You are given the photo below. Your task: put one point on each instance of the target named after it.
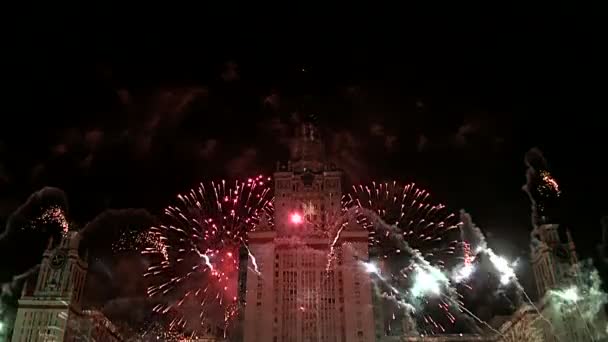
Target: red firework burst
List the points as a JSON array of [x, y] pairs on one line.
[[195, 275]]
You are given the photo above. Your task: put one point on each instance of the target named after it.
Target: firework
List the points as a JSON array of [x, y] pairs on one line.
[[569, 295], [427, 281], [197, 251], [502, 266], [157, 332], [55, 215], [462, 273], [414, 242], [52, 216], [542, 188], [466, 250], [423, 224], [549, 184], [147, 242]]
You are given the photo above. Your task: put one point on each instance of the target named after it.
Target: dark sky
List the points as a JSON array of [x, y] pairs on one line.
[[129, 117]]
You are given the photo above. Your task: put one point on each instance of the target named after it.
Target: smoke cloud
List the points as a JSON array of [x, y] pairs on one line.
[[115, 282]]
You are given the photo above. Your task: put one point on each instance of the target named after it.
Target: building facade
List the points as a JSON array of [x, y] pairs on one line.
[[553, 258], [303, 282], [50, 309], [556, 267]]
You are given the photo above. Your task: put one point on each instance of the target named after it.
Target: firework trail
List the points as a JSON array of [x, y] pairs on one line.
[[476, 241], [427, 284], [502, 267], [335, 228], [461, 273], [196, 251], [254, 261], [464, 309]]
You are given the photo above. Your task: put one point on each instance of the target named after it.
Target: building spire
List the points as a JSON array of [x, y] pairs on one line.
[[307, 149]]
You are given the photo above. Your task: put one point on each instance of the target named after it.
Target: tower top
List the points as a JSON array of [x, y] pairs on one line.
[[69, 241], [307, 149]]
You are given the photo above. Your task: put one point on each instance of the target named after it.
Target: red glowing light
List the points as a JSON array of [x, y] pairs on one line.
[[296, 218]]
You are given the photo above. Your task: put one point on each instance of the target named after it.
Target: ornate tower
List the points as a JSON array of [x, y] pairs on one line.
[[553, 257], [553, 254], [46, 308], [293, 292]]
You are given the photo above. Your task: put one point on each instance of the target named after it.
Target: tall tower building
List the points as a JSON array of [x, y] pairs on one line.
[[50, 309], [293, 293], [554, 260], [553, 255]]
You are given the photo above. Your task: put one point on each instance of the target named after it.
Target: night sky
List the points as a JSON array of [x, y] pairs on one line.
[[129, 118]]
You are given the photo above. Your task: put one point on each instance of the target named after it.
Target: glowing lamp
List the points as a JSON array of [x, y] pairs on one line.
[[296, 218]]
